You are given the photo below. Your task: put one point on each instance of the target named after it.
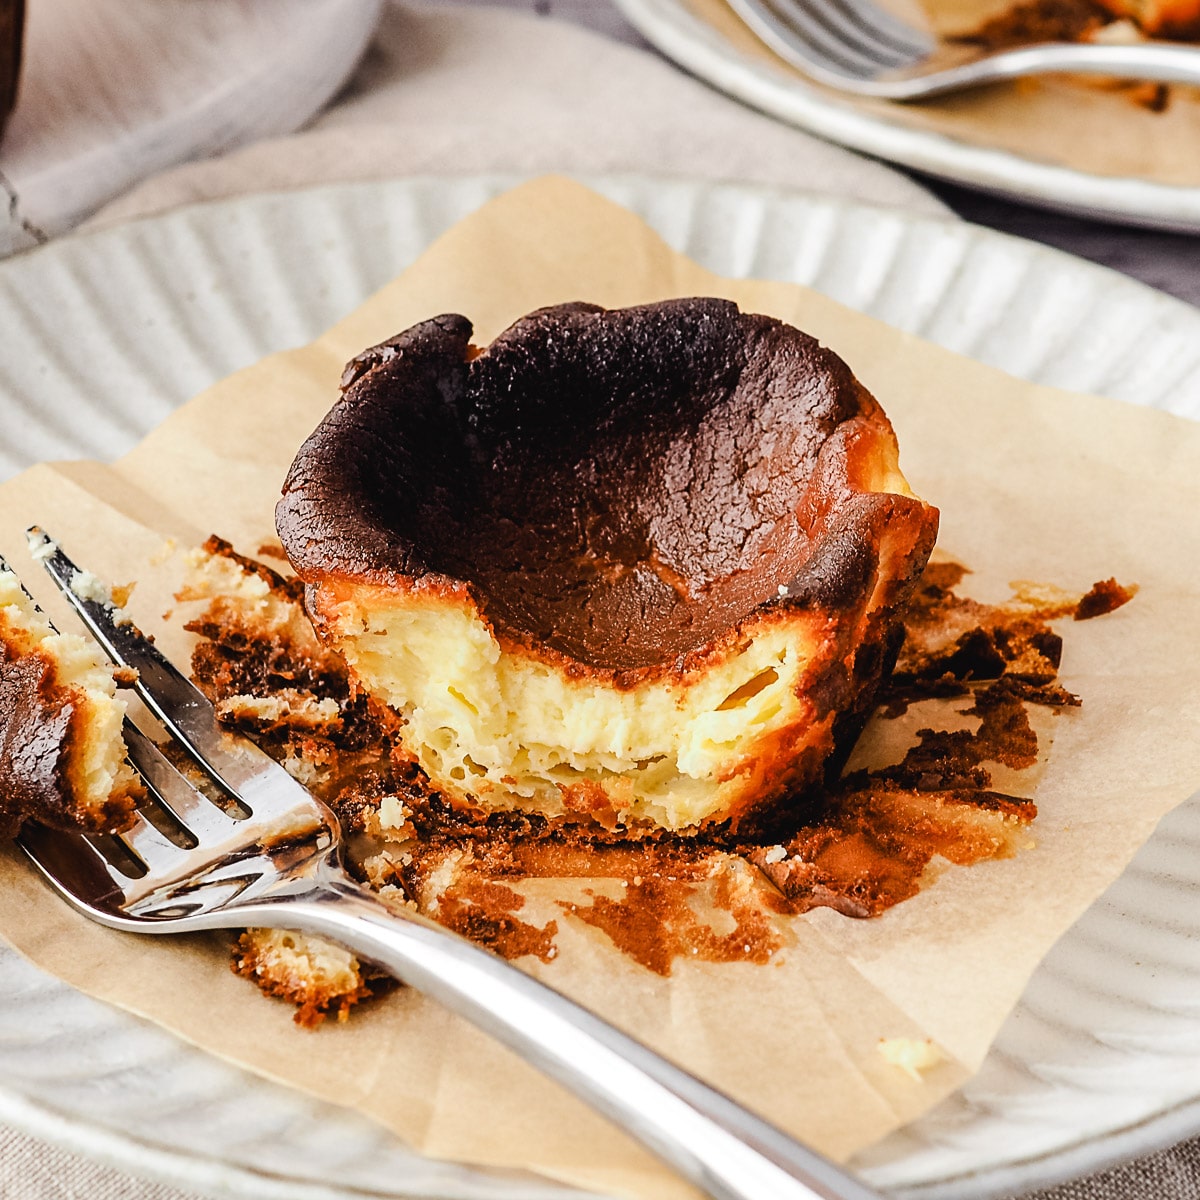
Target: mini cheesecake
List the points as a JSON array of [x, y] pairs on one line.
[[62, 754], [634, 567]]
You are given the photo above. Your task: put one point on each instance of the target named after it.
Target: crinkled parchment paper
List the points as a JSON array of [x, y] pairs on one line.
[[1087, 126], [1032, 484]]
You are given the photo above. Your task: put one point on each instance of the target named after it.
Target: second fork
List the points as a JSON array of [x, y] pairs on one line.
[[857, 46]]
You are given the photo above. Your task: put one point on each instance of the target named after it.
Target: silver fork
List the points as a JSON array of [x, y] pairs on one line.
[[271, 856], [857, 46]]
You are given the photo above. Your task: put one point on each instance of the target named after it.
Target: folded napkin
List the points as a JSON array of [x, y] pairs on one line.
[[112, 91]]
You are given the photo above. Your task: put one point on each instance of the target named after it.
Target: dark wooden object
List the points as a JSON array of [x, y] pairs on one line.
[[12, 26]]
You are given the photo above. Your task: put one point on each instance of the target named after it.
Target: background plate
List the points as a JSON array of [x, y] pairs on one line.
[[700, 49], [104, 334]]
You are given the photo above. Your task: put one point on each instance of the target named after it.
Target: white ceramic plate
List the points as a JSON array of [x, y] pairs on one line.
[[102, 335], [700, 49]]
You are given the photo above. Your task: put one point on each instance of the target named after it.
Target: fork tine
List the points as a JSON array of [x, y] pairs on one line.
[[811, 24], [803, 41], [194, 811], [907, 40], [174, 699], [198, 816], [235, 764], [159, 853], [142, 837], [843, 20], [76, 868], [843, 43]]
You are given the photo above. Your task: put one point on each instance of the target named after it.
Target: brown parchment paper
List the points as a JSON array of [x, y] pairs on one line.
[[1085, 125], [1032, 484]]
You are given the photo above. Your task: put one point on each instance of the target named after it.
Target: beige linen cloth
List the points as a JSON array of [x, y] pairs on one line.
[[453, 89]]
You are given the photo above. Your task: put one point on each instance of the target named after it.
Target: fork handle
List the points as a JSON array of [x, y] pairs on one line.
[[715, 1143]]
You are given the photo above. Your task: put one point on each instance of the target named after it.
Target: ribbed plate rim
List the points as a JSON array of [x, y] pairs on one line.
[[1172, 1123]]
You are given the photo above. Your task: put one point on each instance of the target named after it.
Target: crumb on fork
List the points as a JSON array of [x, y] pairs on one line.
[[62, 754]]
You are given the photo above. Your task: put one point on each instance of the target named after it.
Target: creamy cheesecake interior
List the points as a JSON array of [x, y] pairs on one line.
[[511, 731]]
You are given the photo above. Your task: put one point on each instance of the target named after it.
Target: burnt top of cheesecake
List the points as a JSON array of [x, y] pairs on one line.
[[620, 486], [35, 726]]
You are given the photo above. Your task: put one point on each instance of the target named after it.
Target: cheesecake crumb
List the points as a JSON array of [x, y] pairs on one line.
[[911, 1055]]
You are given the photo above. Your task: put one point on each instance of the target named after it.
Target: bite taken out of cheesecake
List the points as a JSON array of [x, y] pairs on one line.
[[634, 568], [62, 754]]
